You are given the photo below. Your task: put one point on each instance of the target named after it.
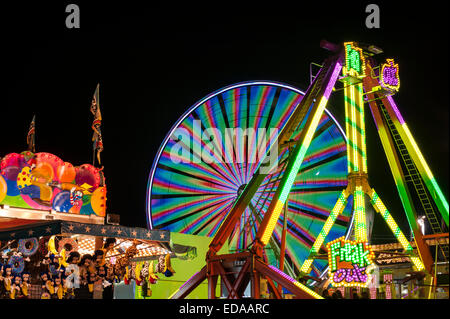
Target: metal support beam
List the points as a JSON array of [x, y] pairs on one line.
[[190, 285]]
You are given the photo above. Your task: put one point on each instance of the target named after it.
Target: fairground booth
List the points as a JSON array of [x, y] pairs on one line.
[[58, 242]]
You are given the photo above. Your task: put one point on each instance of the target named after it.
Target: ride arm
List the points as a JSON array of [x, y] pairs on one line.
[[315, 100], [315, 91]]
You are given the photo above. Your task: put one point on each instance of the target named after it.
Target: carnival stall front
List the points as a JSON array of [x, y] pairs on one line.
[[54, 242], [63, 259]]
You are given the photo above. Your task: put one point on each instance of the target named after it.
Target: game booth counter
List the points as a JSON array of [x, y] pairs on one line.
[[54, 242], [142, 263]]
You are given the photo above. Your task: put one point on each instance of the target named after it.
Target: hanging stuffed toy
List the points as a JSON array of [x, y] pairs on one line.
[[59, 291], [46, 285], [152, 277], [120, 267], [50, 287], [148, 277], [57, 261], [161, 264], [7, 280], [107, 247], [51, 245], [137, 273], [127, 277], [16, 292], [143, 274], [73, 273], [25, 286], [92, 277], [168, 270]]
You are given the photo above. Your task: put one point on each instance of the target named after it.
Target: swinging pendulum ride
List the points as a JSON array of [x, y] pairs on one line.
[[243, 203]]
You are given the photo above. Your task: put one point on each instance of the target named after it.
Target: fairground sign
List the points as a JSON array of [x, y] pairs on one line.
[[349, 262]]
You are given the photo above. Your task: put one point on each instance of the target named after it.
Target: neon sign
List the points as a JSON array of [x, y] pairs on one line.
[[389, 75], [354, 59], [348, 263]]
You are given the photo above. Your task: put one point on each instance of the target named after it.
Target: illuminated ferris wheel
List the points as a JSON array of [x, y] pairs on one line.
[[216, 147]]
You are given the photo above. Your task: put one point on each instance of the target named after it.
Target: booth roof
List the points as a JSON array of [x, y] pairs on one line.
[[17, 228]]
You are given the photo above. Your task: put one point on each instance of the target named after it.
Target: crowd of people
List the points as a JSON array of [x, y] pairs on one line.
[[337, 294]]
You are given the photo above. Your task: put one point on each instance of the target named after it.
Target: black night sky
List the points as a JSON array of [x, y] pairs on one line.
[[155, 61]]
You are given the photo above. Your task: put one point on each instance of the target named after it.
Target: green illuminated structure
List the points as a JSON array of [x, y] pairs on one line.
[[360, 79]]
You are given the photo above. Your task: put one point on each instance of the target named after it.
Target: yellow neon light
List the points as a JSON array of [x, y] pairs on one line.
[[306, 265], [293, 173], [360, 216], [416, 148], [337, 210], [272, 222], [363, 128], [379, 206], [173, 294], [307, 290]]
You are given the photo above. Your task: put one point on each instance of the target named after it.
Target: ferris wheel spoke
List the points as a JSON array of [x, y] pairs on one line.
[[216, 164], [215, 220], [224, 159], [323, 162], [189, 212], [296, 231], [196, 177]]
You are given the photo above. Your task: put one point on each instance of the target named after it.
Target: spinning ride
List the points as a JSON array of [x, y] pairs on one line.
[[215, 148]]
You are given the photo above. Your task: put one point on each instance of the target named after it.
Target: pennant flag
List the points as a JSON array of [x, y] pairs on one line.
[[30, 135], [97, 136]]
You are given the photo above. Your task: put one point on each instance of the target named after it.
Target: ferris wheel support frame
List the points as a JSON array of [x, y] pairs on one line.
[[313, 102], [358, 178]]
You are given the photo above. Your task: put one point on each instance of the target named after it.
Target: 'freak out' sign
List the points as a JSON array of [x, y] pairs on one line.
[[354, 60], [349, 262]]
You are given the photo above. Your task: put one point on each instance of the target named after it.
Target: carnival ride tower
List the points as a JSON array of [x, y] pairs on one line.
[[360, 80]]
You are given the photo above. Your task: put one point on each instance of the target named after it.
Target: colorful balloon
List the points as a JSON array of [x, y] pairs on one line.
[[44, 171], [85, 176], [51, 159], [12, 159], [66, 173], [61, 202], [11, 172], [98, 201], [3, 188], [46, 193]]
